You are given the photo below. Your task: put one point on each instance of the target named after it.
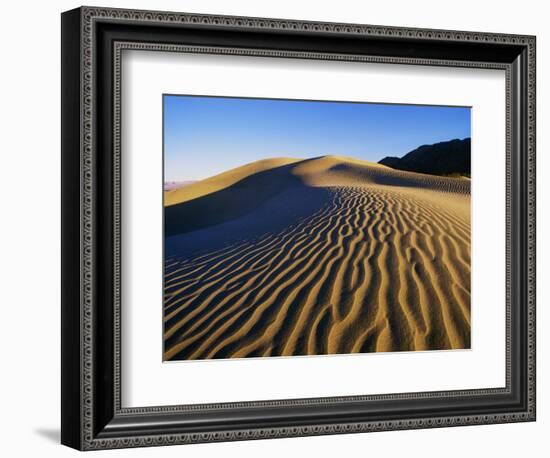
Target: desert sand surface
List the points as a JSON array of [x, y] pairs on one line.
[[329, 255]]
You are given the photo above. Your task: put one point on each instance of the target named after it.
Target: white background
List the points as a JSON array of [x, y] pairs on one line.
[[29, 244], [147, 75]]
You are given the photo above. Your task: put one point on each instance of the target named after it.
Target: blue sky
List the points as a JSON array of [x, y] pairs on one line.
[[204, 136]]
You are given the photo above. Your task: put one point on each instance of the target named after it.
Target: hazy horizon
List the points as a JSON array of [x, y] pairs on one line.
[[204, 136]]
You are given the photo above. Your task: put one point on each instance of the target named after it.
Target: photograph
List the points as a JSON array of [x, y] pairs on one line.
[[311, 227]]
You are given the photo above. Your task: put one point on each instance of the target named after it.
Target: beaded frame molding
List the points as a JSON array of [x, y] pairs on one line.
[[93, 40]]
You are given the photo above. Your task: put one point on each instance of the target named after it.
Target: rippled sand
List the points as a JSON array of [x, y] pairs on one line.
[[323, 256]]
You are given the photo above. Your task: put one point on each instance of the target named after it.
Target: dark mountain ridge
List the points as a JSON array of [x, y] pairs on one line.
[[444, 158]]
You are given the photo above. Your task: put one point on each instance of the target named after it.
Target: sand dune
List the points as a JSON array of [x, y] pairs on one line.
[[321, 256]]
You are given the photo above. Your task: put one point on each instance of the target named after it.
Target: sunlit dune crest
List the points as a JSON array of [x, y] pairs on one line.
[[329, 255]]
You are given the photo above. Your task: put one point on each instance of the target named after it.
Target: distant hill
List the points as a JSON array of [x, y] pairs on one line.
[[445, 158]]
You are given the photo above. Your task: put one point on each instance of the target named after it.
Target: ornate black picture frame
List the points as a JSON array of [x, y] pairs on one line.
[[92, 42]]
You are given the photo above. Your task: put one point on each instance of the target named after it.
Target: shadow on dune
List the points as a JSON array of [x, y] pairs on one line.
[[262, 203], [232, 202]]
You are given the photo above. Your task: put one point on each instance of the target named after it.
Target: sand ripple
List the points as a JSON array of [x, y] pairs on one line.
[[375, 268]]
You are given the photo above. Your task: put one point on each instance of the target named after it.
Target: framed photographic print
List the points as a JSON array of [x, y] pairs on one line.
[[278, 228]]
